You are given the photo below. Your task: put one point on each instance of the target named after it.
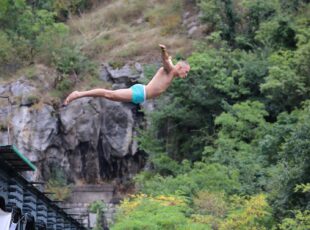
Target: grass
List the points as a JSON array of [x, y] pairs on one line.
[[91, 82], [166, 16], [130, 30], [124, 11]]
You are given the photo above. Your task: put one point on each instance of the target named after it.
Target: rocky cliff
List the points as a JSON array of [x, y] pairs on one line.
[[90, 140]]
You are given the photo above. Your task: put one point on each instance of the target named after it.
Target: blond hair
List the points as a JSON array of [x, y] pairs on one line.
[[183, 63]]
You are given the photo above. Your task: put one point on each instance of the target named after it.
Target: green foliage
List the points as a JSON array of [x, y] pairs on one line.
[[69, 60], [243, 121], [292, 6], [277, 33], [27, 26], [143, 212], [240, 118], [149, 71], [244, 22], [233, 212], [222, 16], [53, 39], [150, 212], [211, 203], [287, 84], [301, 221], [6, 48], [116, 64], [64, 85], [238, 20], [97, 207], [240, 129], [35, 36], [303, 188], [64, 8], [214, 177], [58, 186], [253, 213], [3, 7], [286, 149], [72, 66]]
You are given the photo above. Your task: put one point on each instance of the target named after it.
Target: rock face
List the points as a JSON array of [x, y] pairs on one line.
[[122, 77], [90, 140], [191, 21]]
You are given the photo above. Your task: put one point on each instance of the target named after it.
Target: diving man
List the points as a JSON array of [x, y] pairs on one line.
[[138, 93]]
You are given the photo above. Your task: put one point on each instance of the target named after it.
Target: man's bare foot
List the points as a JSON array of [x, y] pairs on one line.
[[72, 96]]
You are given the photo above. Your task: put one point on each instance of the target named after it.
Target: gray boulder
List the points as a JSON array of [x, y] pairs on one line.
[[122, 77]]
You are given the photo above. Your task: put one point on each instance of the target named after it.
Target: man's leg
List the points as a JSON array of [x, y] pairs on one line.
[[123, 95]]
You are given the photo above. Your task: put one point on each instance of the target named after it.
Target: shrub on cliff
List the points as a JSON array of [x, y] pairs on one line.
[[154, 213]]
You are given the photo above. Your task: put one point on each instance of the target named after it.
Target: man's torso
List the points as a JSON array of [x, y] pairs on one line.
[[159, 83]]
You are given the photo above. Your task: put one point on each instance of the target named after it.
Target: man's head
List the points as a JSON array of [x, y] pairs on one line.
[[182, 69]]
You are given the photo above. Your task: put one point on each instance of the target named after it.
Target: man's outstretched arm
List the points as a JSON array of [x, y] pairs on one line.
[[167, 63]]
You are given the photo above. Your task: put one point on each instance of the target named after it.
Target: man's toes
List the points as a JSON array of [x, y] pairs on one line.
[[66, 101]]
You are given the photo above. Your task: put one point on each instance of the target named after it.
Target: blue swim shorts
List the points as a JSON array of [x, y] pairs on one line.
[[138, 93]]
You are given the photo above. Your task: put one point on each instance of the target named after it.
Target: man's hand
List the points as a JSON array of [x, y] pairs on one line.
[[166, 59], [164, 50], [162, 46]]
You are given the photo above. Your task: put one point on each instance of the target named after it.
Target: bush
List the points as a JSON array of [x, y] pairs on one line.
[[232, 212], [300, 221], [208, 203], [149, 71], [65, 8], [54, 38], [154, 213], [58, 186], [174, 212], [97, 207], [252, 213], [214, 177], [6, 49], [70, 60], [287, 86], [64, 85]]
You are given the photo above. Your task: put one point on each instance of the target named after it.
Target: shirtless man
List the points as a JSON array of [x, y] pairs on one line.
[[139, 93]]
